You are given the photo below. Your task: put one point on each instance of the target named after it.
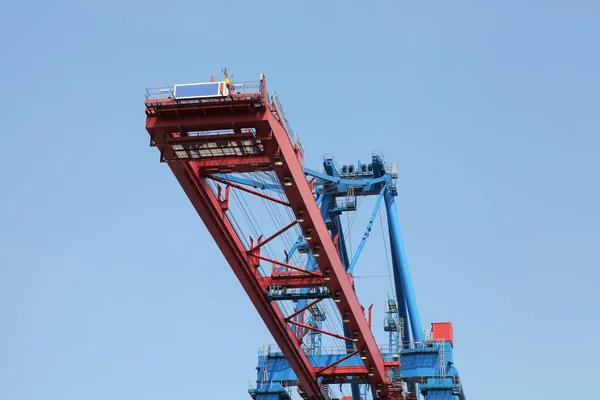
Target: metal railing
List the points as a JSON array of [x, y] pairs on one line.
[[280, 113], [384, 349], [162, 92], [247, 87], [325, 350], [268, 386], [330, 156], [240, 87], [387, 349]]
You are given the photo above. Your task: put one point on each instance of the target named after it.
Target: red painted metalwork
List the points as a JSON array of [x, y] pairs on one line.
[[301, 198], [320, 371], [228, 164], [214, 122], [300, 311], [291, 281], [443, 331], [279, 232], [312, 328], [343, 370], [276, 152], [256, 193], [224, 202], [290, 266], [207, 206], [353, 370], [296, 279], [205, 139]]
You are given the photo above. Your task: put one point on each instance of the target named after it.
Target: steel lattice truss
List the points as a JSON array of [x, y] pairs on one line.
[[280, 227]]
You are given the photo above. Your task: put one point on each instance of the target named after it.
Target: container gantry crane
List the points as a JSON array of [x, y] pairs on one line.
[[230, 146]]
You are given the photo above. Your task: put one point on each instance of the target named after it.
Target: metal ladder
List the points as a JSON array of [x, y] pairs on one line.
[[397, 380], [350, 199], [441, 359], [265, 365], [401, 332]]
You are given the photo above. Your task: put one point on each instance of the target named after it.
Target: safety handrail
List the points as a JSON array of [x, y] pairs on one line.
[[325, 350], [239, 87], [246, 87], [160, 92]]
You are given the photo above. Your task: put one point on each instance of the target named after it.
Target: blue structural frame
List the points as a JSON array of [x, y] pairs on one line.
[[331, 215], [425, 365], [401, 265], [430, 364]]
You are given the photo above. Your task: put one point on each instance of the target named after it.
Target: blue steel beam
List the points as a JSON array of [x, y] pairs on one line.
[[402, 270], [249, 182], [332, 171], [362, 186], [343, 248], [405, 336], [367, 232]]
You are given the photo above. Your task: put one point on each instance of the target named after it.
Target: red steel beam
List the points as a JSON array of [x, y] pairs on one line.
[[169, 101], [239, 164], [290, 266], [218, 224], [204, 139], [158, 102], [351, 370], [320, 371], [248, 120], [312, 328], [291, 281], [301, 198], [259, 194], [300, 311], [273, 236], [343, 370]]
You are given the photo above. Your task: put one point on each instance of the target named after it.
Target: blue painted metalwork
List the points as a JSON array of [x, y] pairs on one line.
[[343, 249], [362, 186], [417, 364], [402, 270], [367, 232], [405, 335], [249, 182], [266, 390], [354, 387], [300, 297], [367, 186], [421, 361], [391, 325], [331, 213]]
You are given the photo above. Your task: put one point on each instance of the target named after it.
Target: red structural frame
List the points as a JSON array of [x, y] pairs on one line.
[[168, 123]]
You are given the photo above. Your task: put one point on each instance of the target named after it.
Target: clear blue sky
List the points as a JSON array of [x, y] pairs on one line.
[[111, 288]]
